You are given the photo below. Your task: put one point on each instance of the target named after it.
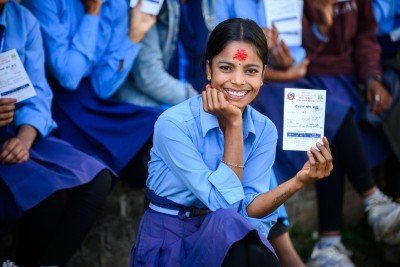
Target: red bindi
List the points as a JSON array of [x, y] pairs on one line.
[[240, 55]]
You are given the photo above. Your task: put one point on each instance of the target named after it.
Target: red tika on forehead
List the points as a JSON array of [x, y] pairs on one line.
[[240, 55]]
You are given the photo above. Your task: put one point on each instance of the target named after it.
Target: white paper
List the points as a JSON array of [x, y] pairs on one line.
[[286, 15], [14, 81], [152, 7], [133, 3], [303, 118]]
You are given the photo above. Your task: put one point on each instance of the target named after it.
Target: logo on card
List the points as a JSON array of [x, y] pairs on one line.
[[291, 96], [13, 56]]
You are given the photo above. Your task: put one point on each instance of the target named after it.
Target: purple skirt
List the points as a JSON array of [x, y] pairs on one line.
[[342, 97], [166, 240], [109, 130], [53, 165]]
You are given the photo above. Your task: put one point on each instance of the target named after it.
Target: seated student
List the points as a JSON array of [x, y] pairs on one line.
[[209, 190], [387, 14], [192, 37], [281, 67], [337, 61], [90, 50], [285, 63], [51, 189], [149, 82]]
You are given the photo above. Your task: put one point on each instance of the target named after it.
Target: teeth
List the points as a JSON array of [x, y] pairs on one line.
[[236, 93]]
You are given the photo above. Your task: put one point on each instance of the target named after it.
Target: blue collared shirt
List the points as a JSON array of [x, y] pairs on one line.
[[23, 34], [254, 10], [186, 165], [79, 45], [387, 14]]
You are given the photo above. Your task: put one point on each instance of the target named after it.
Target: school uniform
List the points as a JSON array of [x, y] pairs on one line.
[[53, 164], [89, 58], [347, 56], [197, 203]]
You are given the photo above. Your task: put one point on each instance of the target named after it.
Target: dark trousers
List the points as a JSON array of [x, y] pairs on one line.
[[348, 158], [249, 252], [51, 232]]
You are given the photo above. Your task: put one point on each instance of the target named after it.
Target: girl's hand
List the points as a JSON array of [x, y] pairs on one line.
[[214, 102], [139, 23], [379, 97], [281, 57], [271, 35], [92, 7], [7, 107], [14, 151], [319, 164], [298, 71], [325, 15]]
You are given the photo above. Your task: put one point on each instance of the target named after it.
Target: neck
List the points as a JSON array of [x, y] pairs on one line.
[[2, 8]]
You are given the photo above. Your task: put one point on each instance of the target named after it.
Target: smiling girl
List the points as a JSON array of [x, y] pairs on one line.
[[210, 201]]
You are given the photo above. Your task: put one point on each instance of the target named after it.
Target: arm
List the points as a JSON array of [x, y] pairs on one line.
[[35, 111], [111, 70], [16, 149], [318, 166], [152, 78], [317, 22], [367, 47], [68, 57], [230, 121], [290, 74]]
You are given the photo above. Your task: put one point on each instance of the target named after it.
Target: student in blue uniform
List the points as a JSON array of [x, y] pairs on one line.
[[90, 47], [278, 70], [211, 162], [52, 189]]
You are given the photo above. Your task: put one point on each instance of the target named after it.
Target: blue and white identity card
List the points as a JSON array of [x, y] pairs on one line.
[[303, 118], [14, 81]]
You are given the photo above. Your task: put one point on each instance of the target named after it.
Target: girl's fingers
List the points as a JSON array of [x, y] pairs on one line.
[[205, 102], [313, 162], [321, 161], [214, 96], [210, 102]]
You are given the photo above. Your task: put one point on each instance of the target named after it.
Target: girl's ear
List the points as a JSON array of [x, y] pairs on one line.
[[263, 74], [208, 70]]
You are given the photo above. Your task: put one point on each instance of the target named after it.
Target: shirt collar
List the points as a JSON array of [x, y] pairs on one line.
[[209, 121]]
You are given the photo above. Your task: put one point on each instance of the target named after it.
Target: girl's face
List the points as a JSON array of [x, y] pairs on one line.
[[237, 72]]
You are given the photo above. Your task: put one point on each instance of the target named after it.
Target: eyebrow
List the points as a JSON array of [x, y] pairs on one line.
[[231, 63]]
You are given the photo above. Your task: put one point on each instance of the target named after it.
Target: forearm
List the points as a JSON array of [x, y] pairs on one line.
[[269, 201], [233, 148], [27, 134]]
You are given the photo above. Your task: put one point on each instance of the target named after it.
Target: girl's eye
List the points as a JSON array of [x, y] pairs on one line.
[[225, 68], [252, 71]]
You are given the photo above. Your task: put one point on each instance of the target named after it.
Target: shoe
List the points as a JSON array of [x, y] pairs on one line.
[[393, 240], [330, 256], [384, 218], [7, 263]]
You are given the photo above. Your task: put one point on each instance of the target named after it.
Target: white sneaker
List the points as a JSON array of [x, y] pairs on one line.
[[393, 239], [8, 263], [331, 256], [384, 218]]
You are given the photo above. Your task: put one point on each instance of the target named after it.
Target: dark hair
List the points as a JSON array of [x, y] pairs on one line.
[[237, 29]]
